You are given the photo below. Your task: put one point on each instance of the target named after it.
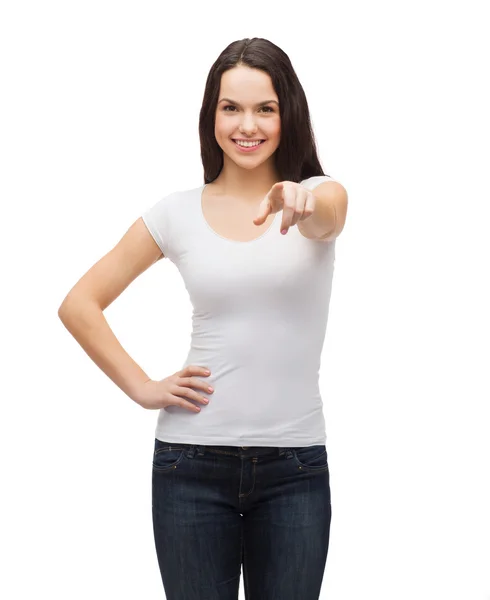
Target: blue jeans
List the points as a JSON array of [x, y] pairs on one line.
[[216, 508]]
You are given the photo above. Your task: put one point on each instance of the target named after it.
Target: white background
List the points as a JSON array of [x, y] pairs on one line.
[[99, 119]]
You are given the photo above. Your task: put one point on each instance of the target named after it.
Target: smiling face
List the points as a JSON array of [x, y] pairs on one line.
[[247, 109]]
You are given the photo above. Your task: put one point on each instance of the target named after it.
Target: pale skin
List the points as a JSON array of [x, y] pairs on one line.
[[238, 204]]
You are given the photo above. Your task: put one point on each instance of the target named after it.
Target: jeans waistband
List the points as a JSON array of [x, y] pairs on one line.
[[244, 451]]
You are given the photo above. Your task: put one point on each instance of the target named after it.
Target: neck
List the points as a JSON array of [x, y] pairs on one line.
[[246, 184]]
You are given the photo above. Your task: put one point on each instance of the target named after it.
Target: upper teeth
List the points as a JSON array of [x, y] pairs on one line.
[[240, 143]]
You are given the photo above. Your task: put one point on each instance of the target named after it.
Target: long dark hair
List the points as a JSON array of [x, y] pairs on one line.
[[296, 156]]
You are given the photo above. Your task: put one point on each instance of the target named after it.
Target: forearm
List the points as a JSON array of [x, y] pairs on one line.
[[323, 222], [87, 324]]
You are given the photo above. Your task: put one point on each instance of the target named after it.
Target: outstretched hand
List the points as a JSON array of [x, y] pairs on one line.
[[296, 202]]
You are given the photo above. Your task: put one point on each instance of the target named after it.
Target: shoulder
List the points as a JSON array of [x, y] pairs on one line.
[[171, 201], [312, 182]]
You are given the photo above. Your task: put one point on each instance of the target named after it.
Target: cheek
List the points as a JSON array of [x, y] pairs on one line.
[[275, 128], [222, 125], [276, 135]]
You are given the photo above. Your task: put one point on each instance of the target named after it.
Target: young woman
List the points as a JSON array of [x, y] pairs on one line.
[[240, 473]]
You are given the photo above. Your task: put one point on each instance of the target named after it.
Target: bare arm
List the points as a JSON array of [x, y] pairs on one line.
[[82, 310]]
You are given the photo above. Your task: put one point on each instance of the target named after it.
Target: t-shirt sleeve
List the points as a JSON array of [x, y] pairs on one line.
[[312, 182], [155, 217]]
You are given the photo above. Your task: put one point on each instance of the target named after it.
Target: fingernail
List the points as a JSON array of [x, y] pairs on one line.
[[284, 231]]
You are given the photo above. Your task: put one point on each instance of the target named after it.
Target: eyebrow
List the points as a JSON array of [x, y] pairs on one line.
[[258, 104]]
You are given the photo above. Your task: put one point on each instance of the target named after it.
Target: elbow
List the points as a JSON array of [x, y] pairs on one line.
[[65, 312], [62, 310], [71, 305]]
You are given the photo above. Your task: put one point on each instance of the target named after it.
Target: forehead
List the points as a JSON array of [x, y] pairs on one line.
[[242, 83]]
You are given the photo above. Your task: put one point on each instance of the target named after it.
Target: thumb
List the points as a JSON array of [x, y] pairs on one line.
[[264, 211]]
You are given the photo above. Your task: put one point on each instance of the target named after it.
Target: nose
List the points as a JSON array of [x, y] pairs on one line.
[[248, 125]]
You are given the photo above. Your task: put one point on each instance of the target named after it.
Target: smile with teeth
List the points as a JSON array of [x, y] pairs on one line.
[[248, 144]]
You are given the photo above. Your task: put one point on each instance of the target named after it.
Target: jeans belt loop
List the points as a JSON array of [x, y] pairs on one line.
[[200, 449]]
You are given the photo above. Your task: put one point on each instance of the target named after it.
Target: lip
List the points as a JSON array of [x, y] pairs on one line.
[[251, 149]]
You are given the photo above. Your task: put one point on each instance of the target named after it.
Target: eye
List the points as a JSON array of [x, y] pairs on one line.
[[266, 108]]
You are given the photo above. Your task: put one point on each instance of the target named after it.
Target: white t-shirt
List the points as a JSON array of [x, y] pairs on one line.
[[260, 311]]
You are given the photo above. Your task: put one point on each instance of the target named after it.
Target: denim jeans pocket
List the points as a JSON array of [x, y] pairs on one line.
[[311, 458], [167, 456]]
